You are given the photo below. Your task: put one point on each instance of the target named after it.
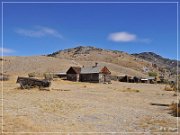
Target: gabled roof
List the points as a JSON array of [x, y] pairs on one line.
[[91, 69], [76, 70], [151, 78], [94, 69]]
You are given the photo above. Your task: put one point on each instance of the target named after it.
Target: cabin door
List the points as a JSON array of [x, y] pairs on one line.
[[105, 78]]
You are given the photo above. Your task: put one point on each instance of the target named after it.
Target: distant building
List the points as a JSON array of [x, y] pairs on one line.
[[114, 77], [152, 79], [60, 75], [99, 74], [96, 73], [73, 74], [144, 80]]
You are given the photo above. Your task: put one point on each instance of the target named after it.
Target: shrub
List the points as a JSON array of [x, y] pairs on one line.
[[168, 88], [32, 74], [174, 86], [4, 77], [131, 90], [48, 76], [175, 109], [154, 74]]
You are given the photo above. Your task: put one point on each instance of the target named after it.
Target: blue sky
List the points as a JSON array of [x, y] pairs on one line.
[[37, 29]]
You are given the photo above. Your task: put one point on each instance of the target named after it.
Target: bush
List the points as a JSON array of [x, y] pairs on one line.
[[175, 109], [174, 84], [168, 88], [154, 74], [32, 74], [4, 77], [48, 76]]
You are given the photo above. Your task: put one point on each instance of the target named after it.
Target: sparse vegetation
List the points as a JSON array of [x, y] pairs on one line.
[[4, 77], [175, 109], [131, 90], [85, 104], [168, 88], [57, 106], [174, 85], [33, 74], [152, 74], [48, 76]]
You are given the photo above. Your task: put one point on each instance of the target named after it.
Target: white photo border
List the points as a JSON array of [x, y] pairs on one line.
[[80, 2]]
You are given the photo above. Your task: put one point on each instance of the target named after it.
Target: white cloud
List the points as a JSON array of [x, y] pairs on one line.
[[39, 31], [6, 50], [122, 37], [126, 37]]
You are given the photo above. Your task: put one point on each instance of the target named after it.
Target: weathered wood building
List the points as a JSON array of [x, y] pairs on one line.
[[130, 79], [73, 74], [61, 75], [97, 74]]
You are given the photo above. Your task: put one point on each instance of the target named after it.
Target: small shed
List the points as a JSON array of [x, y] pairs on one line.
[[114, 77], [152, 79], [73, 73], [125, 78], [97, 74], [61, 75], [144, 80]]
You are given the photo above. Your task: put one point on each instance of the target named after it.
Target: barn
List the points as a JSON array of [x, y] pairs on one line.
[[73, 73], [96, 74]]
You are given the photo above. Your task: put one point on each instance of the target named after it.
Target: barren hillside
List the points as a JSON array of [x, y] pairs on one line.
[[119, 63], [166, 63], [39, 64], [96, 54]]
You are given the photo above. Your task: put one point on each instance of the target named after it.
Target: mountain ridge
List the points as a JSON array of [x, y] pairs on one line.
[[160, 61], [118, 62], [147, 59]]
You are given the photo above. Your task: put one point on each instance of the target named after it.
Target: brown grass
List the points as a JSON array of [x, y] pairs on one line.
[[175, 109], [14, 124], [75, 106], [168, 88], [57, 106], [131, 90]]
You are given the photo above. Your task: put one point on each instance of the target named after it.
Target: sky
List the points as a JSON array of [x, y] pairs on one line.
[[38, 29]]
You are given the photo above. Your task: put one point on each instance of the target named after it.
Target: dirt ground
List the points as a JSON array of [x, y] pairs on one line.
[[87, 107]]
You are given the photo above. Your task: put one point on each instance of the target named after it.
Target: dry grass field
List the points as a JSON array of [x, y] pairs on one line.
[[87, 107]]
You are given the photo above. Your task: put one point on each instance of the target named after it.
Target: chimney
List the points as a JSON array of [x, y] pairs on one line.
[[96, 64]]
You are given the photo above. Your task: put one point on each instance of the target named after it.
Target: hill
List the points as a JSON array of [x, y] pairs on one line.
[[119, 63], [165, 63], [40, 64]]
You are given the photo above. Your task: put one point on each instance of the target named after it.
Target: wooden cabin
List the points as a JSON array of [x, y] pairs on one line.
[[97, 74], [129, 79], [125, 78], [137, 79], [73, 73]]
